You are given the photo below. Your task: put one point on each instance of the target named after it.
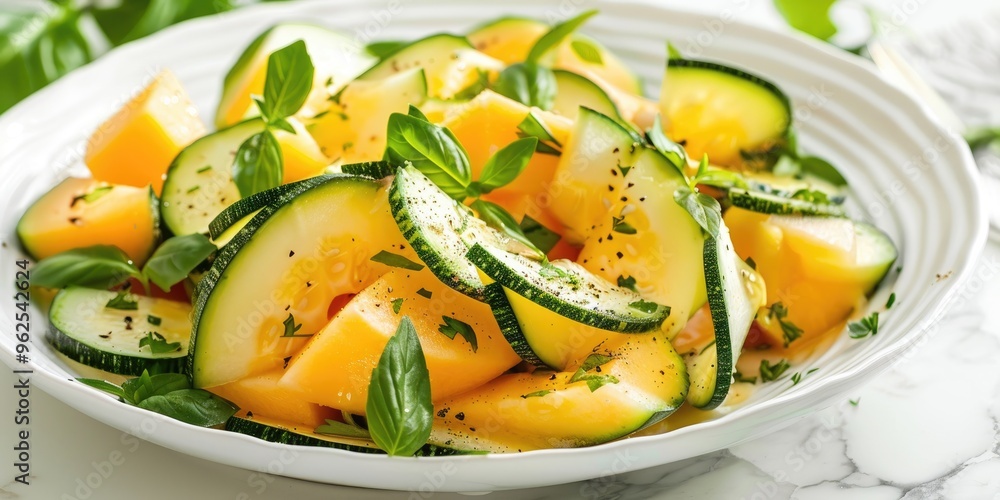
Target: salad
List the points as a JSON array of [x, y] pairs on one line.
[[482, 243]]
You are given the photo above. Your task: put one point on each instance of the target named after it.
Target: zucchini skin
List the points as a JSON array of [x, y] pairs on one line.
[[284, 436], [507, 321], [109, 362], [775, 205]]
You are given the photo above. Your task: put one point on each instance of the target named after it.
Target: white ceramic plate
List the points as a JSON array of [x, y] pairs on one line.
[[915, 181]]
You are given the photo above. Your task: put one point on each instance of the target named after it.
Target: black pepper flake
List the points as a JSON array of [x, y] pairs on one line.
[[105, 336], [309, 284], [74, 220], [661, 372], [286, 360], [615, 150], [443, 412], [249, 414], [291, 253], [288, 307], [472, 429], [624, 198], [610, 187], [553, 377], [614, 172], [460, 415], [611, 237], [631, 184]]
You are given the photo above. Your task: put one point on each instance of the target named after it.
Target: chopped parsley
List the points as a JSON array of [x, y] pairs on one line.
[[395, 260], [123, 301], [891, 301], [396, 305], [769, 372], [291, 327], [628, 283], [425, 293], [790, 332], [158, 344], [153, 320], [864, 327], [594, 380], [452, 327], [619, 225]]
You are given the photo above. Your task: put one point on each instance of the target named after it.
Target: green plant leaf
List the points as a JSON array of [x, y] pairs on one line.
[[36, 48], [101, 266], [158, 344], [399, 408], [432, 149], [385, 48], [138, 389], [258, 165], [193, 406], [705, 210], [542, 237], [556, 35], [498, 218], [587, 51], [133, 19], [123, 301], [529, 84], [174, 260], [337, 428], [508, 163], [452, 327], [808, 16], [289, 80], [103, 385], [673, 152], [395, 260], [818, 167]]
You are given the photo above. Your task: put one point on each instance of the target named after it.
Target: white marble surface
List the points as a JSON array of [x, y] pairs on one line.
[[928, 428]]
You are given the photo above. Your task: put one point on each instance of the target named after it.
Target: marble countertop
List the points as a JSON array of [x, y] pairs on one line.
[[928, 428]]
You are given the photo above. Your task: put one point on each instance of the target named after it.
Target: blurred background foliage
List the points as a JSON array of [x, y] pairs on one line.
[[41, 41]]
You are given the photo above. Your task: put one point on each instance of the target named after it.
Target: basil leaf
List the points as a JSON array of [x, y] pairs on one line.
[[594, 381], [529, 84], [176, 258], [587, 51], [811, 17], [818, 167], [432, 149], [705, 210], [37, 48], [158, 344], [505, 165], [336, 428], [103, 385], [556, 35], [496, 217], [399, 408], [144, 386], [673, 152], [101, 266], [383, 49], [121, 301], [193, 406], [258, 165], [416, 113], [282, 124], [452, 327], [289, 80], [982, 136], [134, 19], [628, 283], [542, 237]]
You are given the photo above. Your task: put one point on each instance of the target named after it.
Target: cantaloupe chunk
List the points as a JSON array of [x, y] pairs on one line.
[[335, 367], [301, 155], [136, 145], [84, 212], [489, 122], [815, 274], [261, 395]]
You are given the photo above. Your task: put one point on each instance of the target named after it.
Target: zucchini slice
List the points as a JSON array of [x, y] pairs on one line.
[[569, 290], [440, 230], [735, 292], [574, 90], [727, 113], [617, 197], [765, 203], [337, 60], [199, 184], [283, 270], [275, 431], [449, 61], [248, 206], [84, 329], [622, 387]]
